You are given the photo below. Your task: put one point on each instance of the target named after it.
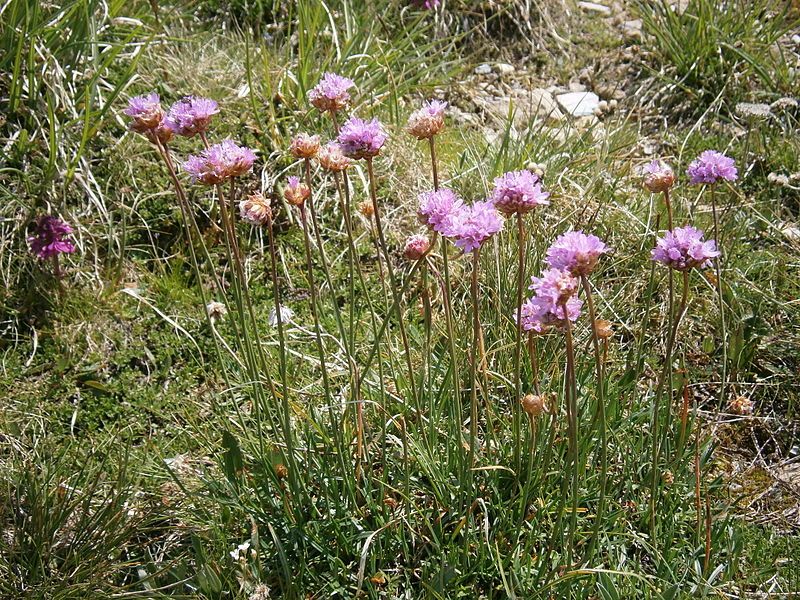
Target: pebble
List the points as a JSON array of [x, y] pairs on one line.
[[504, 68], [594, 7], [483, 69], [579, 104]]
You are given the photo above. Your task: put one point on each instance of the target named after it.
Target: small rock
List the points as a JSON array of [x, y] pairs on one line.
[[579, 104], [595, 8], [632, 29], [574, 86], [483, 69], [791, 232], [504, 68], [796, 39]]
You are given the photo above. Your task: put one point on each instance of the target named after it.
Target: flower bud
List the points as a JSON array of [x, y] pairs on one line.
[[416, 247], [533, 405], [603, 329], [658, 177]]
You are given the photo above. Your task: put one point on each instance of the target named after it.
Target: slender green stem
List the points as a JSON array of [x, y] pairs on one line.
[[473, 363], [517, 425], [572, 420], [720, 299]]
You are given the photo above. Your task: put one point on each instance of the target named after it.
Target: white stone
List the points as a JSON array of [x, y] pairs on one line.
[[579, 104], [504, 68], [594, 7], [483, 69], [632, 29]]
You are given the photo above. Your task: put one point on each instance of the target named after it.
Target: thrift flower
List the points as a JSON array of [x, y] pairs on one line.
[[428, 120], [470, 226], [711, 166], [741, 406], [331, 94], [575, 252], [191, 115], [684, 248], [332, 158], [361, 139], [518, 192], [216, 310], [50, 237], [366, 208], [220, 162], [416, 247], [296, 192], [554, 301], [255, 209], [304, 146], [436, 208], [533, 405], [658, 177], [148, 118]]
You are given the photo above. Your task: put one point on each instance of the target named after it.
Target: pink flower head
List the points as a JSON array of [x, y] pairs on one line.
[[304, 146], [470, 226], [331, 93], [361, 139], [554, 301], [50, 237], [296, 192], [148, 118], [518, 192], [416, 247], [255, 209], [191, 115], [575, 252], [658, 177], [684, 248], [428, 120], [220, 162], [711, 166], [331, 158], [436, 208]]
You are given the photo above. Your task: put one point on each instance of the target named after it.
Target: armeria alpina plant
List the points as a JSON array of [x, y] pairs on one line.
[[51, 238], [516, 194], [709, 169]]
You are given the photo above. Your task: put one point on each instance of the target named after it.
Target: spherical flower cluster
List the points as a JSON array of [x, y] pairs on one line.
[[296, 192], [684, 248], [658, 177], [436, 208], [331, 93], [518, 192], [191, 115], [50, 237], [470, 226], [534, 405], [366, 208], [711, 166], [416, 247], [148, 118], [361, 139], [553, 302], [741, 405], [304, 146], [219, 163], [216, 310], [428, 120], [575, 252], [331, 158], [255, 209]]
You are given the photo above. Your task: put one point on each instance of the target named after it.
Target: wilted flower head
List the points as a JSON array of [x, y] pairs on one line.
[[296, 192], [332, 158], [741, 405], [437, 207], [256, 209], [470, 226], [331, 93], [304, 146], [575, 252], [658, 177], [287, 314], [191, 115], [261, 591], [416, 247], [216, 310], [603, 329], [684, 248], [428, 120], [518, 192], [711, 166], [220, 162], [361, 139], [366, 208], [533, 404], [50, 237], [753, 109]]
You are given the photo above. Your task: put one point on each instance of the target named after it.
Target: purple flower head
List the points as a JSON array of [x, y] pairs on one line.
[[361, 139], [470, 226], [428, 120], [684, 248], [575, 252], [220, 162], [191, 115], [711, 166], [331, 93], [518, 192], [556, 284], [49, 237], [145, 112], [436, 208], [332, 158], [554, 301], [658, 177]]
